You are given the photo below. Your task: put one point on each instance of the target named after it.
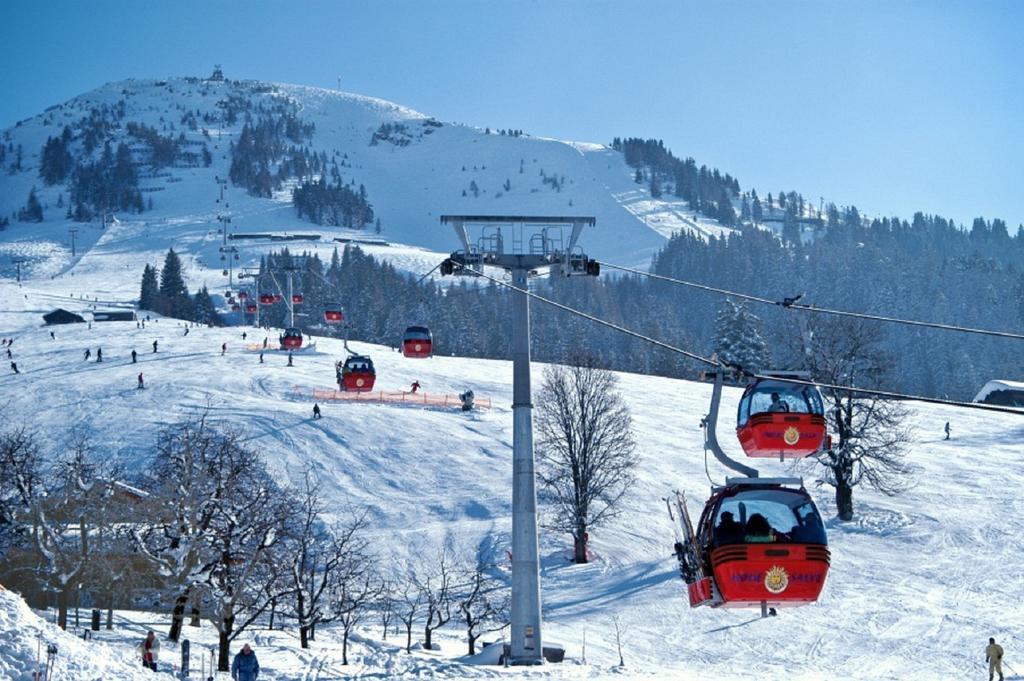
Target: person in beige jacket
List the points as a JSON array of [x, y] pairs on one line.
[[994, 657]]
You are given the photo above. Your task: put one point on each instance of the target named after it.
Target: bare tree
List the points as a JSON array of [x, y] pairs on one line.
[[357, 591], [585, 449], [181, 510], [409, 604], [115, 568], [241, 576], [435, 581], [64, 516], [871, 433], [386, 605], [318, 558], [217, 520], [620, 632], [482, 601], [21, 480]]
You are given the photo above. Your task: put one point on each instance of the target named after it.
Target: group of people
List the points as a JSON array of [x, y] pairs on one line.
[[8, 342], [245, 666]]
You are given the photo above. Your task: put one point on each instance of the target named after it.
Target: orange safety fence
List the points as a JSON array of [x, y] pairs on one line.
[[401, 397]]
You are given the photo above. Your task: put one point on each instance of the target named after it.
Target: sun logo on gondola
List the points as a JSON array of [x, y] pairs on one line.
[[418, 347], [776, 580], [359, 382], [791, 436]]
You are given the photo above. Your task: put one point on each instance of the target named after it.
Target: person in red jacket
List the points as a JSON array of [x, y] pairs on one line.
[[150, 650]]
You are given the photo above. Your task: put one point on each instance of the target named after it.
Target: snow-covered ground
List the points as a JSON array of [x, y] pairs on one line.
[[918, 582], [25, 638]]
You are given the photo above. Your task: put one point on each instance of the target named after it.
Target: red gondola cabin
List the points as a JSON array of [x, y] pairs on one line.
[[417, 342], [759, 544], [297, 298], [333, 314], [266, 299], [780, 419], [291, 339], [356, 374]]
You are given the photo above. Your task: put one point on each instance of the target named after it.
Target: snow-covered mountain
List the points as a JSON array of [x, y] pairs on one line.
[[413, 168]]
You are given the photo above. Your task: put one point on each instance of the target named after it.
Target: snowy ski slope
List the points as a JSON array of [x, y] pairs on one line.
[[918, 582]]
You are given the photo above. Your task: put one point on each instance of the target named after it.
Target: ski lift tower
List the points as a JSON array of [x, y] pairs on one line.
[[527, 245]]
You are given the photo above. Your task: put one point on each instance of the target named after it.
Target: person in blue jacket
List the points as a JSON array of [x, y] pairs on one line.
[[245, 667]]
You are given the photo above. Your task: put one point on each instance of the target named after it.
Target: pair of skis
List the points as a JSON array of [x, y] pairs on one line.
[[699, 585]]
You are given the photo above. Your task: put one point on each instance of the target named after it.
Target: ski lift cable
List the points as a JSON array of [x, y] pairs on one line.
[[721, 365], [792, 304]]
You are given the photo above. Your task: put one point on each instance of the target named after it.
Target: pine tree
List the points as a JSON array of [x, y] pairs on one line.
[[790, 229], [203, 309], [150, 288], [174, 300], [725, 213], [738, 339], [33, 210], [55, 161]]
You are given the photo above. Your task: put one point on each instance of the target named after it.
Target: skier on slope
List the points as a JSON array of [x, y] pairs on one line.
[[415, 386], [290, 358], [223, 348], [154, 346], [186, 331], [88, 354], [135, 356], [99, 354], [141, 384], [316, 411], [994, 657], [14, 367]]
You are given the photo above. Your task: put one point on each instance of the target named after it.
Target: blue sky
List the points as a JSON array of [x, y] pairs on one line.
[[893, 106]]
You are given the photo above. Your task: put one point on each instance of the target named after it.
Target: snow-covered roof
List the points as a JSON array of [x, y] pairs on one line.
[[997, 385]]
